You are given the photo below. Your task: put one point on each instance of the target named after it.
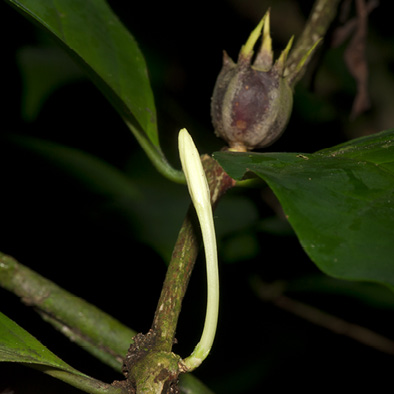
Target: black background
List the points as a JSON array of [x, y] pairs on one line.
[[54, 225]]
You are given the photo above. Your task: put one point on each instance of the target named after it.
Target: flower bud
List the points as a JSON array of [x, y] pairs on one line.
[[252, 103]]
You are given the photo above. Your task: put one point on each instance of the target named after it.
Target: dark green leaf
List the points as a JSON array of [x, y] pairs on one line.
[[98, 41], [340, 202]]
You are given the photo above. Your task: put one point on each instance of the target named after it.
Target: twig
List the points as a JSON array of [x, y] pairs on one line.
[[320, 19], [273, 293]]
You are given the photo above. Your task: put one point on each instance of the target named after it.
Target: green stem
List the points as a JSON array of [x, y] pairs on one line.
[[176, 281], [86, 384], [156, 156], [99, 333]]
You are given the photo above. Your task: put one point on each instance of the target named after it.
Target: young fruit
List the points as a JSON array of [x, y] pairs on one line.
[[252, 103]]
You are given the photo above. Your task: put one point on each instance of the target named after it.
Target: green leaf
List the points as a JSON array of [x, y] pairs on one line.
[[17, 345], [340, 202], [95, 36], [98, 41]]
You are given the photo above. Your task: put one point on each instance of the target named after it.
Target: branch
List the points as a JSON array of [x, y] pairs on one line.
[[320, 19], [97, 332], [149, 361], [183, 258]]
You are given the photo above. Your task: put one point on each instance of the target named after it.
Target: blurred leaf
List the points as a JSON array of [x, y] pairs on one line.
[[235, 214], [275, 225], [239, 247], [340, 202], [17, 345], [43, 69], [95, 174], [312, 108], [370, 294], [136, 200]]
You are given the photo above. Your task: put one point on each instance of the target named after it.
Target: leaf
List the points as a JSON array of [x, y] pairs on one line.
[[101, 44], [94, 36], [17, 345], [91, 328], [134, 198], [340, 202], [43, 69], [92, 172]]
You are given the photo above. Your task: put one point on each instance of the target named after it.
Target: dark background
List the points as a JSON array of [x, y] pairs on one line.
[[90, 245]]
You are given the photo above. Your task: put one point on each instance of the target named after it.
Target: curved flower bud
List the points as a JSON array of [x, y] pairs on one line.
[[252, 103], [199, 192]]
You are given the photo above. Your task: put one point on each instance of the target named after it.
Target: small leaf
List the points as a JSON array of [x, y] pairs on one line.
[[17, 345], [340, 202]]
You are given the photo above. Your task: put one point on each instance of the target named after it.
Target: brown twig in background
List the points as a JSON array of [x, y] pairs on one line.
[[355, 53], [273, 292]]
